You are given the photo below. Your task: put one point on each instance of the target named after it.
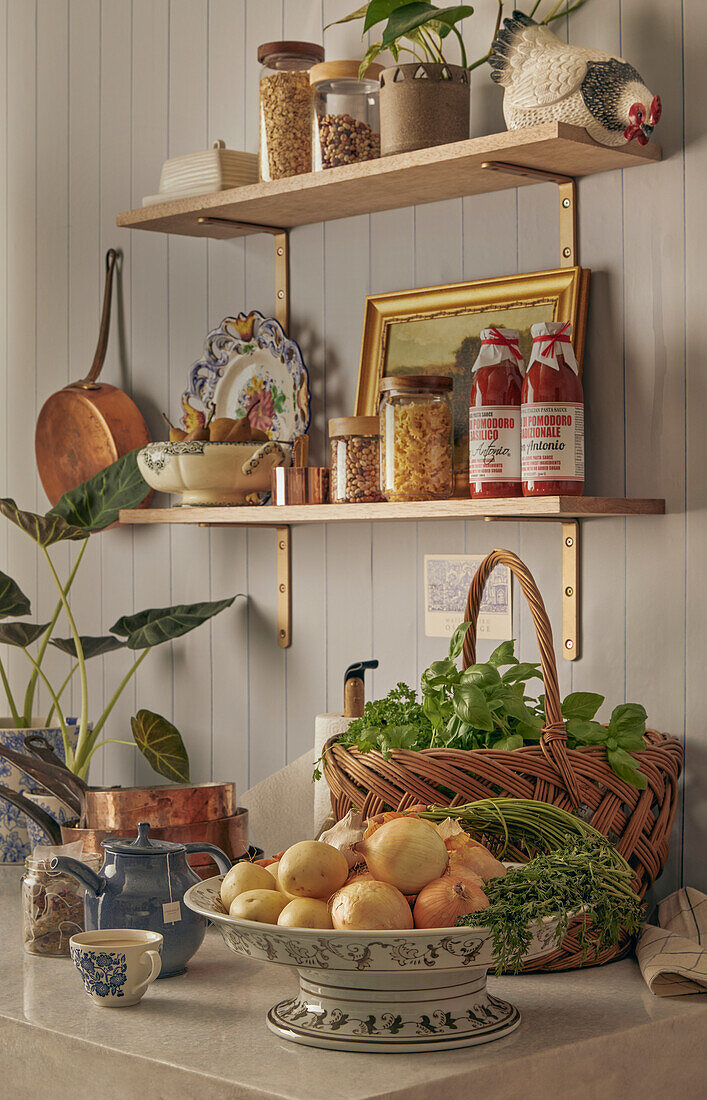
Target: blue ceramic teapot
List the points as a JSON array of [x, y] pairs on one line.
[[141, 885]]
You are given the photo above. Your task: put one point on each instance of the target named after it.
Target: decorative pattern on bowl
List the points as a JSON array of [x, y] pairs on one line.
[[103, 973], [250, 368], [52, 805], [206, 473], [423, 989]]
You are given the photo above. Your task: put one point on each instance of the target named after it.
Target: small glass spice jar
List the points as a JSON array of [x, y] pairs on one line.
[[286, 108], [346, 114], [52, 907], [354, 446], [416, 437]]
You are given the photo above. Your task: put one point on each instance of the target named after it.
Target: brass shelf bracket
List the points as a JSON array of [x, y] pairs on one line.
[[282, 259], [570, 589], [569, 255], [284, 587]]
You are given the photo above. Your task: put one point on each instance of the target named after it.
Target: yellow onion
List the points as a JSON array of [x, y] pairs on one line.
[[440, 902], [369, 905], [406, 852], [475, 859]]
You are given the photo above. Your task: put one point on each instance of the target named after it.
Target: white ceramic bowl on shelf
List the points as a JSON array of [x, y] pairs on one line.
[[206, 473], [390, 992]]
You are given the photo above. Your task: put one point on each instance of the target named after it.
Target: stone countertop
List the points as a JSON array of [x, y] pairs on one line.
[[597, 1034]]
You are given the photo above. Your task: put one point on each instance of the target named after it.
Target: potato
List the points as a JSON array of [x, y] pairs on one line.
[[244, 876], [263, 906], [312, 869], [305, 913], [273, 868]]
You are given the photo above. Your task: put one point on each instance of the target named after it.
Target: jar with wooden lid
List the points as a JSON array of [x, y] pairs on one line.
[[286, 108], [346, 115], [52, 906], [354, 446], [416, 437]]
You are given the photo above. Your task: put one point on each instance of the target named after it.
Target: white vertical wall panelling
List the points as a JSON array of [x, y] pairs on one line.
[[227, 294], [695, 806], [655, 388], [146, 282]]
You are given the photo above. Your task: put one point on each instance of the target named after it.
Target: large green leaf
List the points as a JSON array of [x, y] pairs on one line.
[[405, 19], [21, 634], [12, 599], [625, 767], [581, 704], [378, 10], [470, 705], [45, 530], [456, 642], [161, 745], [92, 646], [358, 14], [504, 654], [161, 624], [95, 504]]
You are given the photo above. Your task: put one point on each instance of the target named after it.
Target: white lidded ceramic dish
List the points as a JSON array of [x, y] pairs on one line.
[[400, 991], [206, 473]]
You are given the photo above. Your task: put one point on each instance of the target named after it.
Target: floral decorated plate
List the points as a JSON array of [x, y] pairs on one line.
[[423, 989], [250, 368]]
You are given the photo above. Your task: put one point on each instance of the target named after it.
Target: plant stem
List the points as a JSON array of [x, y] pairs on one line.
[[535, 7], [83, 721], [431, 46], [59, 694], [481, 60], [81, 757], [68, 751], [462, 47], [567, 11], [108, 741], [10, 699], [29, 694]]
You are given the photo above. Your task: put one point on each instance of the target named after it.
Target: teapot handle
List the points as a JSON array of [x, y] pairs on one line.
[[220, 857]]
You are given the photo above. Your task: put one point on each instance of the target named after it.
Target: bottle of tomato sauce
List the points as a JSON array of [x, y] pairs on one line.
[[494, 416], [552, 415]]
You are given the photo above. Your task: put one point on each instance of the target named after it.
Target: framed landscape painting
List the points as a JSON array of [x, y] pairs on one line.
[[437, 330]]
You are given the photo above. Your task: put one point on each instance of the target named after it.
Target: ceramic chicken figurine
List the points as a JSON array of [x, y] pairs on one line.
[[547, 80]]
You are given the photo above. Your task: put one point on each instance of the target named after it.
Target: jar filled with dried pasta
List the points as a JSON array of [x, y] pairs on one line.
[[354, 444], [416, 437], [52, 906], [286, 107]]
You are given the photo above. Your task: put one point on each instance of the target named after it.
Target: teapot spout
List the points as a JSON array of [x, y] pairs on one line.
[[93, 882]]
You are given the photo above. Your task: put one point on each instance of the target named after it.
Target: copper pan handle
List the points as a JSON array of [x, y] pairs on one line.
[[112, 256]]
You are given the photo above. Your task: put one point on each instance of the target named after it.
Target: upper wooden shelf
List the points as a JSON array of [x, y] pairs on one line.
[[407, 179], [295, 514]]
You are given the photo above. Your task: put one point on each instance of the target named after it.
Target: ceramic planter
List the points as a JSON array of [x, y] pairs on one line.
[[51, 804], [423, 104], [14, 841]]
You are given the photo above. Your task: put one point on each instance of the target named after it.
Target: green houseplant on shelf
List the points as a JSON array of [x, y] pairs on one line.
[[77, 516], [425, 101]]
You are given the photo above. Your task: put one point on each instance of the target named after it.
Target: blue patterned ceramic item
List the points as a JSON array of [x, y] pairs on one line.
[[117, 964], [250, 368], [52, 805], [141, 885], [14, 842]]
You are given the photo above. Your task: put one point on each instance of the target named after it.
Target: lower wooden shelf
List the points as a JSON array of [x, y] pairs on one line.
[[290, 515]]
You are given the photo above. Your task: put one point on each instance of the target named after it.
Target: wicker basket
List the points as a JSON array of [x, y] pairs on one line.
[[578, 780]]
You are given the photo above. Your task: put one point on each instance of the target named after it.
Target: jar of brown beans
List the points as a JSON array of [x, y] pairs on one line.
[[346, 116], [354, 449]]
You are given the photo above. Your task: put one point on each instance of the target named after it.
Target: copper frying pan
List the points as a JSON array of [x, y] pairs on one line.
[[89, 424]]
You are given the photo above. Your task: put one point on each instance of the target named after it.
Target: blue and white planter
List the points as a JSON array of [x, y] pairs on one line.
[[52, 805], [15, 844]]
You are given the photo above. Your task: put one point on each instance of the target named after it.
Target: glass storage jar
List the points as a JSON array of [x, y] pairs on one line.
[[346, 114], [354, 444], [286, 108], [416, 437], [52, 906]]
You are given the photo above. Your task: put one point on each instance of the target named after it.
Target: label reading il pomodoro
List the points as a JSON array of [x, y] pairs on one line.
[[494, 445], [552, 442]]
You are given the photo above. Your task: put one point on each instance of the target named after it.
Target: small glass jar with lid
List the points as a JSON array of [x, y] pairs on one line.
[[416, 437], [346, 114], [52, 906], [286, 108], [354, 446]]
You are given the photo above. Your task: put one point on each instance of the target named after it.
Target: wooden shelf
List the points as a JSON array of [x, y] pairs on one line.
[[292, 515], [406, 179]]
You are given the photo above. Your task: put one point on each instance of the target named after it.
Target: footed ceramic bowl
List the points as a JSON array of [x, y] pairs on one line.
[[212, 473], [423, 989]]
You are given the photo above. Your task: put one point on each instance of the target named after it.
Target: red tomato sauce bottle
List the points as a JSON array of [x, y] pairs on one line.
[[552, 415], [494, 416]]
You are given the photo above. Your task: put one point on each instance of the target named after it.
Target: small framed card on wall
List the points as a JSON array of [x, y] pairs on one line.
[[447, 580]]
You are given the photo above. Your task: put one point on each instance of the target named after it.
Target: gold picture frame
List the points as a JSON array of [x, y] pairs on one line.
[[510, 301]]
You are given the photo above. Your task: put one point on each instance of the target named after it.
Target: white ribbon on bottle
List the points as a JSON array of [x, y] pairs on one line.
[[549, 338], [498, 344]]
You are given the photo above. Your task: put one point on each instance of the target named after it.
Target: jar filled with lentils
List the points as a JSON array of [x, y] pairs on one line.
[[346, 114], [416, 437], [354, 445], [286, 108]]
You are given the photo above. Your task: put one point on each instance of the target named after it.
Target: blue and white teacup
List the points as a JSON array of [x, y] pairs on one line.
[[117, 964]]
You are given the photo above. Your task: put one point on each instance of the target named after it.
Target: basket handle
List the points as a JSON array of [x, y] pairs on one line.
[[554, 737]]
